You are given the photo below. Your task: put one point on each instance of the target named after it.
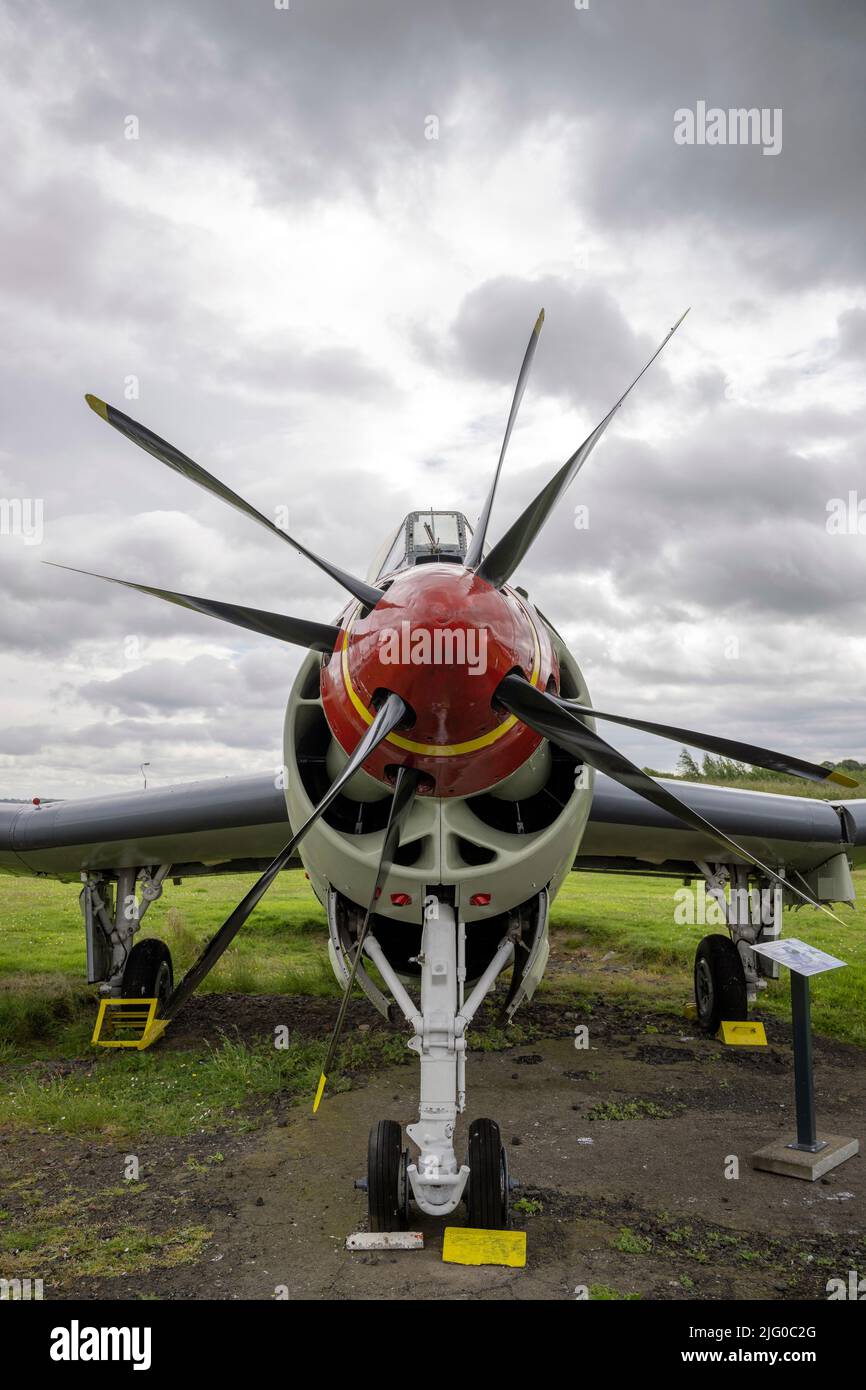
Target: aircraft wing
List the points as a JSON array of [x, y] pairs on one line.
[[626, 833], [238, 824], [228, 825]]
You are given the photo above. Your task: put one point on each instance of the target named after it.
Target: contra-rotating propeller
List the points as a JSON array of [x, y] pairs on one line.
[[301, 632], [501, 562], [783, 763], [389, 716], [173, 457], [555, 720], [476, 545]]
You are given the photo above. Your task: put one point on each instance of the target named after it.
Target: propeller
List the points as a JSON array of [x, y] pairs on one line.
[[171, 456], [553, 719], [320, 637], [498, 566], [404, 796], [476, 547], [385, 722], [725, 747]]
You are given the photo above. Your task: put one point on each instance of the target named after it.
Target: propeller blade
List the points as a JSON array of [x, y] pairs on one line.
[[497, 567], [320, 637], [548, 716], [725, 747], [476, 548], [171, 456], [404, 797], [386, 721]]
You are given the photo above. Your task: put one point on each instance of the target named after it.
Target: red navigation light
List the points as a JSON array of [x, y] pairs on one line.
[[37, 801], [479, 900], [401, 899]]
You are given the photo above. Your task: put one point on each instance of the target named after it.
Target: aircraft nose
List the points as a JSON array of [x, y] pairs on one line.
[[442, 640]]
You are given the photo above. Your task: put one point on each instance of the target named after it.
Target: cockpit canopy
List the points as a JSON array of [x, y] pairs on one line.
[[424, 538]]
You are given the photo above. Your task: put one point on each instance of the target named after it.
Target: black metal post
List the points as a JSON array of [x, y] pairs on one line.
[[804, 1085]]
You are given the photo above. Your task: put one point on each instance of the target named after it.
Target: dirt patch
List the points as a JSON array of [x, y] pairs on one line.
[[634, 1206]]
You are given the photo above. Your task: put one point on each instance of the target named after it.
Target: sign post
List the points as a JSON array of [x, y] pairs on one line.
[[808, 1156]]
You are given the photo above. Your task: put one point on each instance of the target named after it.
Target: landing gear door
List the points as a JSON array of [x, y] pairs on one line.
[[526, 980]]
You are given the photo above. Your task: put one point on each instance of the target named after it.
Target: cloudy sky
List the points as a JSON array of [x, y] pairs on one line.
[[318, 265]]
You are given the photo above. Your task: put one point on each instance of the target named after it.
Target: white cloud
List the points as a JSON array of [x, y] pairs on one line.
[[324, 308]]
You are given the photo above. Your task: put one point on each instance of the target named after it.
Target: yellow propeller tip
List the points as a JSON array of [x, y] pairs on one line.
[[320, 1092], [99, 406], [539, 321], [842, 779]]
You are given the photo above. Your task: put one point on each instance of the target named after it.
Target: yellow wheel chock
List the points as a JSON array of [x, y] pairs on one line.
[[467, 1245], [128, 1023]]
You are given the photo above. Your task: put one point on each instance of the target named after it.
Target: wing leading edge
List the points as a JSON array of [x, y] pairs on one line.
[[239, 823]]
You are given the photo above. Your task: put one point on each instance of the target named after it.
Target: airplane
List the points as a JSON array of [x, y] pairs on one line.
[[443, 775]]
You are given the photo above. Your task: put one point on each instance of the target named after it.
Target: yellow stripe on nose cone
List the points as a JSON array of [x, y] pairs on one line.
[[320, 1092]]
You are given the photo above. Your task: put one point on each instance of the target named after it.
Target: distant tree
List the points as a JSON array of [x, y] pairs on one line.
[[725, 769], [686, 765]]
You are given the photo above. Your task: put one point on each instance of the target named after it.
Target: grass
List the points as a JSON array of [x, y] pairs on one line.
[[613, 937], [68, 1237], [234, 1086], [628, 1110], [605, 1294], [528, 1206], [630, 1243], [652, 955]]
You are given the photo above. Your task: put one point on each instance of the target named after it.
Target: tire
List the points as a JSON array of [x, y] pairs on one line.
[[720, 983], [487, 1188], [385, 1177], [148, 973]]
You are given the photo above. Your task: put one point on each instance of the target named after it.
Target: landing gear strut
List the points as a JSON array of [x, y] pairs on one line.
[[436, 1181]]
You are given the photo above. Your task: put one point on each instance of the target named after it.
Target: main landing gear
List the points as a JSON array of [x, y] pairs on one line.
[[148, 973], [728, 973], [720, 983]]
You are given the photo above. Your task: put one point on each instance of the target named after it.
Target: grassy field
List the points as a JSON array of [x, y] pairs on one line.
[[612, 937]]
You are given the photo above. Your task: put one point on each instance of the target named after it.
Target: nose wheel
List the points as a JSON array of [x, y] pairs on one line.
[[487, 1188], [387, 1185]]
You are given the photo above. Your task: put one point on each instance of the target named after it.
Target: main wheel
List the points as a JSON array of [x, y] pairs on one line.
[[386, 1177], [720, 983], [148, 973], [487, 1188]]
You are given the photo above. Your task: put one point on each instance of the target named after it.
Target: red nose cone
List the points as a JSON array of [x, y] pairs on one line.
[[442, 640]]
